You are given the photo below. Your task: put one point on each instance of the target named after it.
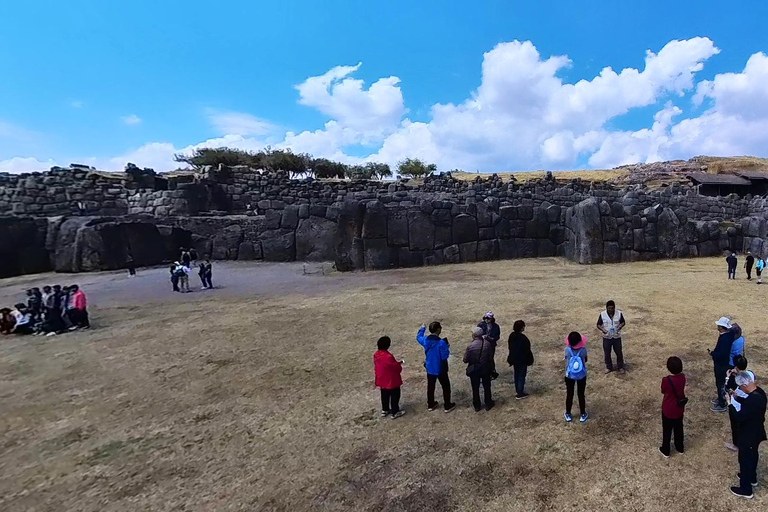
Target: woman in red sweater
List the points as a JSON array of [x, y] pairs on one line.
[[387, 370], [673, 406]]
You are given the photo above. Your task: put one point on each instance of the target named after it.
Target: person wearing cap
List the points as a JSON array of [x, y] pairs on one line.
[[721, 357], [748, 264], [749, 412], [492, 333], [610, 323], [733, 262], [479, 359]]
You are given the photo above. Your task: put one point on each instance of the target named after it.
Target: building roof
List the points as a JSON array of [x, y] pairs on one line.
[[753, 175], [703, 178]]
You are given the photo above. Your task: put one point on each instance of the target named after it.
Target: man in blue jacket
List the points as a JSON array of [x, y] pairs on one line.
[[721, 357], [436, 351]]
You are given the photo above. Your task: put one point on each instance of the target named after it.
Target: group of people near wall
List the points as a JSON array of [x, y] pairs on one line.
[[737, 392], [750, 262], [54, 310], [181, 269]]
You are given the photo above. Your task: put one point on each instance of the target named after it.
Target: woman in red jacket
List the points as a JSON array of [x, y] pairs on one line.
[[673, 406], [387, 370]]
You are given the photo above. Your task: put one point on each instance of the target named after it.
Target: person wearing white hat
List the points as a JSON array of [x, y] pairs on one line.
[[721, 357]]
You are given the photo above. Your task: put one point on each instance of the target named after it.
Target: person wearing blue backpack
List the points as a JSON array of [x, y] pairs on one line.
[[575, 376]]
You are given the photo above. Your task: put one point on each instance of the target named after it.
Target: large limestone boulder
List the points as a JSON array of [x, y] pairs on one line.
[[278, 244], [348, 243], [586, 243], [315, 239], [23, 246]]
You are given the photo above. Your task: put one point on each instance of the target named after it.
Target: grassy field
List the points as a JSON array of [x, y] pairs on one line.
[[266, 402]]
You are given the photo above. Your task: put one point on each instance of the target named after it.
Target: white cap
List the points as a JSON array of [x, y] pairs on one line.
[[724, 322]]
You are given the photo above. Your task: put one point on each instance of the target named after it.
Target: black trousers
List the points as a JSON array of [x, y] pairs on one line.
[[720, 372], [175, 283], [734, 427], [731, 273], [521, 370], [445, 383], [669, 425], [748, 457], [614, 344], [390, 400], [749, 272], [475, 380], [207, 280], [581, 387]]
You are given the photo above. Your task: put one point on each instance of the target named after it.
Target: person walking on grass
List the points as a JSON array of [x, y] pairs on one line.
[[759, 266], [436, 353], [750, 417], [575, 376], [520, 357], [733, 262], [492, 333], [673, 406], [479, 359], [721, 357], [740, 365], [387, 372], [610, 323], [748, 264]]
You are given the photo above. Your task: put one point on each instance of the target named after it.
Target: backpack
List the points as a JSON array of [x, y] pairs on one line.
[[576, 369]]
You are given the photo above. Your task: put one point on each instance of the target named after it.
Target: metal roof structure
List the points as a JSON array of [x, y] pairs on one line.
[[753, 175], [703, 178]]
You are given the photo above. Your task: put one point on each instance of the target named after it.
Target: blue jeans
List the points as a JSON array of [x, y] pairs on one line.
[[521, 371]]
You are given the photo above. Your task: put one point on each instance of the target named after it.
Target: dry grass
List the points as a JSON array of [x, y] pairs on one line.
[[741, 163], [267, 403]]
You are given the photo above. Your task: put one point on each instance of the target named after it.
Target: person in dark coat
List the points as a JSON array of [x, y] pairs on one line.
[[492, 333], [750, 416], [479, 359], [732, 264], [748, 264], [740, 365], [520, 357], [721, 357]]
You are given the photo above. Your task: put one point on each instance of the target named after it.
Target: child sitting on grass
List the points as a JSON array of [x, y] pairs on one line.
[[387, 371]]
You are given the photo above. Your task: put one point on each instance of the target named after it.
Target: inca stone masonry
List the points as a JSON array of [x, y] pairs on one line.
[[77, 219]]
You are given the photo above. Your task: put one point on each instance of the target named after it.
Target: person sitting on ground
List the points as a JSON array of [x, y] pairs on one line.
[[436, 353], [492, 333], [732, 264], [759, 267], [575, 376], [23, 319], [479, 359], [520, 357], [79, 308], [721, 357], [610, 323], [387, 372], [750, 416], [673, 407], [7, 321], [737, 349], [740, 365]]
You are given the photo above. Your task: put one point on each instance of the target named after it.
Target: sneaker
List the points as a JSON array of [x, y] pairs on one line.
[[736, 491], [568, 417], [450, 408], [584, 417], [714, 401], [385, 413], [731, 447], [494, 376], [398, 414], [51, 334], [478, 409], [717, 408], [521, 396], [622, 371], [663, 454], [432, 407], [608, 370], [489, 405], [73, 328], [738, 475]]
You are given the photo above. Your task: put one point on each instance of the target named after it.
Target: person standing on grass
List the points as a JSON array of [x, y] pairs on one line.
[[436, 353], [575, 376], [750, 416], [185, 257], [740, 365], [732, 264], [737, 349], [748, 264], [759, 266], [79, 308], [205, 273], [673, 407], [492, 333], [610, 323], [479, 359], [175, 276], [520, 357], [387, 372], [721, 357]]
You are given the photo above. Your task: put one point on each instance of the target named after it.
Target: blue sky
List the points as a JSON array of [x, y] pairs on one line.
[[106, 82]]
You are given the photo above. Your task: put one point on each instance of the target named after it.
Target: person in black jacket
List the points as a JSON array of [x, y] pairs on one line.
[[492, 333], [750, 415], [479, 359], [520, 357], [732, 264], [721, 357], [740, 365]]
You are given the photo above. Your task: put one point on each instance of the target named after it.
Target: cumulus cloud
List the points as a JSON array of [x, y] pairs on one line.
[[238, 123], [28, 164], [131, 120]]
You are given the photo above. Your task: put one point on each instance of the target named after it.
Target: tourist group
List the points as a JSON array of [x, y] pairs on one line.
[[749, 263], [180, 271], [54, 310], [736, 391]]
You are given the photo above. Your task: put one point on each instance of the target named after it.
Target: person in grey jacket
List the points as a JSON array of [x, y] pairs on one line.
[[479, 359]]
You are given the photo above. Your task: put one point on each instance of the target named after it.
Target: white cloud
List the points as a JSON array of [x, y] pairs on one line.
[[238, 123], [29, 164], [131, 120]]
